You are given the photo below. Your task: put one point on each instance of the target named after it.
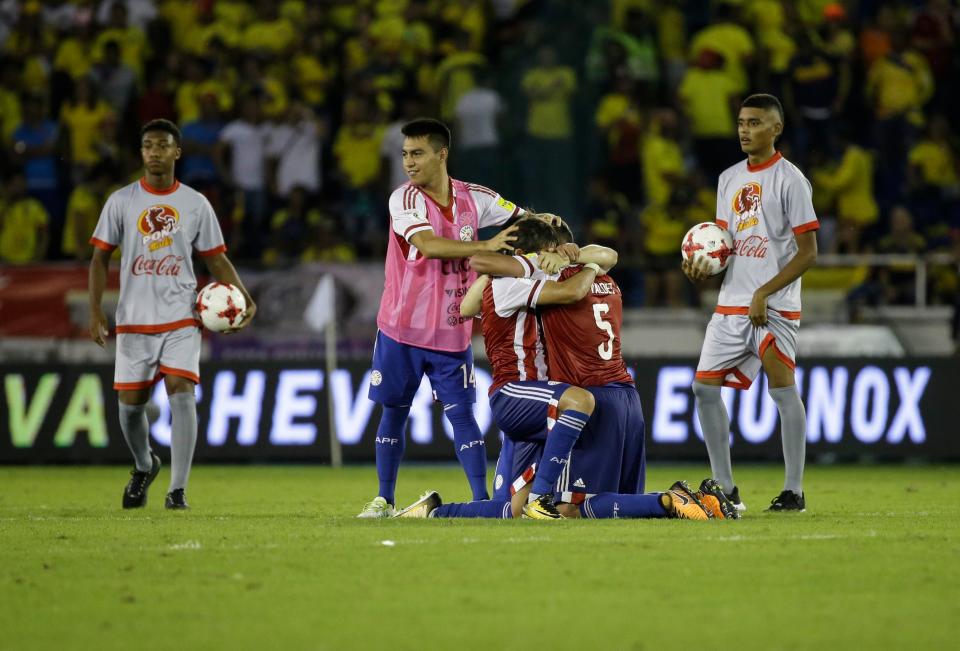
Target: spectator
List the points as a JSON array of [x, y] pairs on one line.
[[934, 184], [903, 239], [290, 229], [619, 123], [357, 150], [708, 97], [130, 38], [727, 37], [815, 95], [10, 116], [294, 148], [476, 133], [663, 227], [157, 101], [549, 87], [456, 75], [244, 142], [200, 136], [850, 185], [83, 210], [37, 146], [84, 116], [663, 166], [116, 80], [23, 224]]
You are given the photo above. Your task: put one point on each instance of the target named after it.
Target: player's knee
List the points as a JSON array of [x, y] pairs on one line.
[[576, 399], [706, 391]]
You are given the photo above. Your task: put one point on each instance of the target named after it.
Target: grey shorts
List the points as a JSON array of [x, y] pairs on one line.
[[733, 347], [142, 359]]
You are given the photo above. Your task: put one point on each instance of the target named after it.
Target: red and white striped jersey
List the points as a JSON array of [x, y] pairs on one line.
[[583, 338], [510, 332]]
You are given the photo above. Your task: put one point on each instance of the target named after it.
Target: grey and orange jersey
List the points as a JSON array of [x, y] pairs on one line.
[[764, 207], [157, 232]]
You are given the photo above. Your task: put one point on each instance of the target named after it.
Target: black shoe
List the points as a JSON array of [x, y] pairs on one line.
[[788, 501], [734, 497], [135, 493], [176, 500], [728, 511]]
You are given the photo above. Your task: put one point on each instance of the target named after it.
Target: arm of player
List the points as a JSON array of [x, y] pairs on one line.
[[804, 259], [470, 305], [568, 291], [96, 283], [602, 256], [223, 270], [435, 247], [498, 264]]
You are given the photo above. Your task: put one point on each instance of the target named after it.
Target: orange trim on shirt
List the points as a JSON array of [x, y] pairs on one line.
[[722, 223], [152, 190], [157, 328], [167, 370], [100, 244], [764, 165], [214, 251], [743, 311], [809, 226]]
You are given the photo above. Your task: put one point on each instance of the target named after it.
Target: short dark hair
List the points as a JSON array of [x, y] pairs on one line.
[[161, 124], [764, 101], [564, 234], [436, 131], [534, 234]]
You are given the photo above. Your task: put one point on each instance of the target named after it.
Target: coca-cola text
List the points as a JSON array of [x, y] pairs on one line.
[[168, 265], [754, 246]]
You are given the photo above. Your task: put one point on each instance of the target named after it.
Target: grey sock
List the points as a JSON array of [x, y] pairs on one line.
[[715, 424], [136, 431], [183, 408], [793, 430]]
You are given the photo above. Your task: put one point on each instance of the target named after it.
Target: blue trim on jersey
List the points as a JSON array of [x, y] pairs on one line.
[[520, 408]]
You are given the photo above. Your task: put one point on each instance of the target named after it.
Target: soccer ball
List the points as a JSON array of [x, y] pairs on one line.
[[220, 306], [710, 242]]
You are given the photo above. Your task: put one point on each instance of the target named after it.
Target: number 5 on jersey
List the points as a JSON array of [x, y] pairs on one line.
[[606, 348]]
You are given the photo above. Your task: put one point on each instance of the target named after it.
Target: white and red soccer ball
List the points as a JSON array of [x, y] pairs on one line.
[[709, 242], [220, 306]]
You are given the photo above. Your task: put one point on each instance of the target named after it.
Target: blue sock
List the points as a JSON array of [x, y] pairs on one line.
[[618, 505], [556, 451], [471, 451], [496, 509], [390, 441]]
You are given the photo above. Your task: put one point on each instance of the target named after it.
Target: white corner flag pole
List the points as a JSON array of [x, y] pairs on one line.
[[336, 454], [321, 314]]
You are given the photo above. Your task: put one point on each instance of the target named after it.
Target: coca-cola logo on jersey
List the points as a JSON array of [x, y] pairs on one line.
[[754, 246], [168, 265], [158, 224]]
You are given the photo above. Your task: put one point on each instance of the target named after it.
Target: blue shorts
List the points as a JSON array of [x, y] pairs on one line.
[[398, 370], [609, 456], [522, 409]]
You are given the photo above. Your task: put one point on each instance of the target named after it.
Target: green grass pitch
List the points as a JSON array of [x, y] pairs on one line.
[[272, 558]]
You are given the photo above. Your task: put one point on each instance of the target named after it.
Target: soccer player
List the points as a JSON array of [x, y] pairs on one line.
[[434, 221], [158, 223], [766, 204], [609, 456]]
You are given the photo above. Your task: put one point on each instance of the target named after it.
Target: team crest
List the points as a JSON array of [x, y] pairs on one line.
[[158, 224], [466, 233], [747, 206], [376, 378]]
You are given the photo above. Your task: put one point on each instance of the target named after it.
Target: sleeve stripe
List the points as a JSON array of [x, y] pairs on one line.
[[534, 293], [100, 244], [482, 190], [722, 223], [406, 197], [809, 226], [214, 251], [516, 211], [526, 264], [416, 228]]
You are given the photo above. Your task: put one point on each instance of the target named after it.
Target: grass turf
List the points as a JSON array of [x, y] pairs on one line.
[[272, 558]]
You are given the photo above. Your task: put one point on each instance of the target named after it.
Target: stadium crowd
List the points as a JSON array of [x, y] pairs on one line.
[[618, 115]]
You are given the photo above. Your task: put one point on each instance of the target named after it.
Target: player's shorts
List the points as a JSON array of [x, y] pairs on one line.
[[733, 347], [525, 409], [608, 457], [399, 368], [142, 359]]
